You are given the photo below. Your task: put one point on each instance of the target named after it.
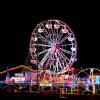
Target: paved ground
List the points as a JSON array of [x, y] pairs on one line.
[[35, 96]]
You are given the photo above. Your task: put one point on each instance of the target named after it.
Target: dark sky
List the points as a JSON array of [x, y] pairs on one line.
[[17, 23]]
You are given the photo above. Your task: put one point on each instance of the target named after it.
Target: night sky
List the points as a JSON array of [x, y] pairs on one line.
[[18, 22]]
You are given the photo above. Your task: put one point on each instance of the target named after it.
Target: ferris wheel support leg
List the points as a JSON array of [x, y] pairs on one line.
[[30, 88], [51, 87], [93, 91]]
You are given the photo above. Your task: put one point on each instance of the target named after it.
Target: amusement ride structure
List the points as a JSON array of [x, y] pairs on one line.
[[52, 53]]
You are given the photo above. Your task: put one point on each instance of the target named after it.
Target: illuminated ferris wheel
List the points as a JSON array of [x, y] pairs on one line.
[[53, 46]]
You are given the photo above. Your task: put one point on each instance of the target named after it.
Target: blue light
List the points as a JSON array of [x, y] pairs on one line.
[[97, 80]]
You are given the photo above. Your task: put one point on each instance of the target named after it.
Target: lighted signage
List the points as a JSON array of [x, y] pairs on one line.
[[97, 81]]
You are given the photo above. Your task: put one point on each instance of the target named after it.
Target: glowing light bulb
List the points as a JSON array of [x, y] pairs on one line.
[[56, 26], [73, 49], [64, 30], [35, 39], [70, 38], [48, 26], [40, 30]]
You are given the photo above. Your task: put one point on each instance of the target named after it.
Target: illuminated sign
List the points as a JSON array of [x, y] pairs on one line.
[[19, 74], [97, 81]]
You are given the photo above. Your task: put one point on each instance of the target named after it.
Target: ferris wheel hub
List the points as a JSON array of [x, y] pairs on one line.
[[57, 46]]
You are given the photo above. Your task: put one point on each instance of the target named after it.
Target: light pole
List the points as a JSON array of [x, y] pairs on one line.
[[92, 78]]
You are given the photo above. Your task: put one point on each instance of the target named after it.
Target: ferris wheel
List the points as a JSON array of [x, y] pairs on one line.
[[53, 46]]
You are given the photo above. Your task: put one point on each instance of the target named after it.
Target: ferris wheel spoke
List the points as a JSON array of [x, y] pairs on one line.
[[59, 36], [58, 62], [53, 60], [43, 45], [57, 65], [64, 57], [48, 61], [62, 40], [50, 35], [44, 58], [60, 57], [54, 68], [42, 52], [56, 31], [50, 31], [50, 66], [55, 34], [43, 39], [65, 45], [50, 52], [45, 30], [66, 51]]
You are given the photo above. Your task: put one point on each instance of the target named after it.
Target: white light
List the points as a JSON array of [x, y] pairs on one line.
[[35, 39], [64, 30], [33, 61], [91, 69], [40, 30], [70, 39], [66, 76], [75, 59], [73, 49], [72, 59], [48, 26], [56, 26], [35, 49]]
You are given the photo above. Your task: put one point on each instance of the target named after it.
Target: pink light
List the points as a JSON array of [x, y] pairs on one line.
[[57, 46], [30, 49], [33, 61]]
